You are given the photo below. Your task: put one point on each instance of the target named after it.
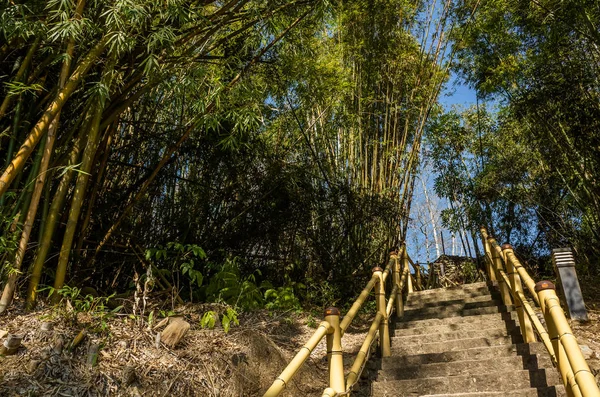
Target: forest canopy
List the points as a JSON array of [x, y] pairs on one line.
[[217, 150]]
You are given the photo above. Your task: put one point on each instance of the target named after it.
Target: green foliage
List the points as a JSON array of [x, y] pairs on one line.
[[229, 318], [96, 307], [185, 259], [230, 287]]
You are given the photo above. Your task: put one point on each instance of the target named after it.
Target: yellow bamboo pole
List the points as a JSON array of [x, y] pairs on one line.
[[517, 288], [334, 350], [288, 373], [562, 362], [398, 297], [329, 392], [391, 301], [363, 353], [497, 263], [561, 333], [358, 304], [525, 277], [488, 255], [384, 332]]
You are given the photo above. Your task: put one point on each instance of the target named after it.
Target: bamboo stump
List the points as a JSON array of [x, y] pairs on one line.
[[11, 345]]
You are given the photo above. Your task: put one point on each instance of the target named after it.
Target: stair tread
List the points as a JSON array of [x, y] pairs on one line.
[[463, 342], [480, 382]]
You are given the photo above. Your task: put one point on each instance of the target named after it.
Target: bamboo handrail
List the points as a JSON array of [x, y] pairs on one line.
[[288, 373], [334, 329], [525, 277], [362, 354], [559, 340], [537, 324], [357, 304]]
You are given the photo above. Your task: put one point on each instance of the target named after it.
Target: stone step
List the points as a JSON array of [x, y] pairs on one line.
[[525, 361], [454, 323], [551, 391], [455, 335], [475, 309], [411, 311], [386, 385], [463, 287], [410, 304], [443, 296], [506, 364], [401, 349], [458, 327], [473, 353]]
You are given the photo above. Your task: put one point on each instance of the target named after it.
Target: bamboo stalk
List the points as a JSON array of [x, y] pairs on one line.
[[52, 110]]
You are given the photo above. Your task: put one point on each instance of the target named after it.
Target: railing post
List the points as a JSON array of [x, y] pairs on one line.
[[546, 289], [497, 263], [418, 277], [397, 274], [517, 287], [580, 377], [334, 351], [487, 255], [384, 331]]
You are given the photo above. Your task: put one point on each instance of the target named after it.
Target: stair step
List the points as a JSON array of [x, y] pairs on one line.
[[526, 361], [455, 300], [443, 296], [452, 345], [450, 307], [455, 335], [505, 364], [463, 287], [551, 391], [473, 353], [473, 321], [455, 328], [470, 310], [487, 382]]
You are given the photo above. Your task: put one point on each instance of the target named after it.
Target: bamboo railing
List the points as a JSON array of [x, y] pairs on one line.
[[332, 329], [503, 267]]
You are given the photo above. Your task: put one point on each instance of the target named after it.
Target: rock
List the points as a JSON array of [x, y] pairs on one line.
[[587, 352], [175, 331], [46, 326]]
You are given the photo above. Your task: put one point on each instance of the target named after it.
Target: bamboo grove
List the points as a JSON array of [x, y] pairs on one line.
[[265, 134]]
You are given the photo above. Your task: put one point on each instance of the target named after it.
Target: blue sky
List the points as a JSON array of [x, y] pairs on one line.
[[421, 248]]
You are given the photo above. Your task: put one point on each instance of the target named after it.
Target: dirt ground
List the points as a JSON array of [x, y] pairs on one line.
[[242, 362], [212, 363]]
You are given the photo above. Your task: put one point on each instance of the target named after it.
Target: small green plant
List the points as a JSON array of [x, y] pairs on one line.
[[94, 306], [186, 259], [229, 318], [311, 322], [285, 297]]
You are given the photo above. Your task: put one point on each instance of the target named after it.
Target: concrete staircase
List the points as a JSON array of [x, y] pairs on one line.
[[463, 342]]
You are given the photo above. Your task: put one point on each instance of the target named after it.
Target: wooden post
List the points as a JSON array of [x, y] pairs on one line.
[[384, 331], [517, 287], [334, 351]]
